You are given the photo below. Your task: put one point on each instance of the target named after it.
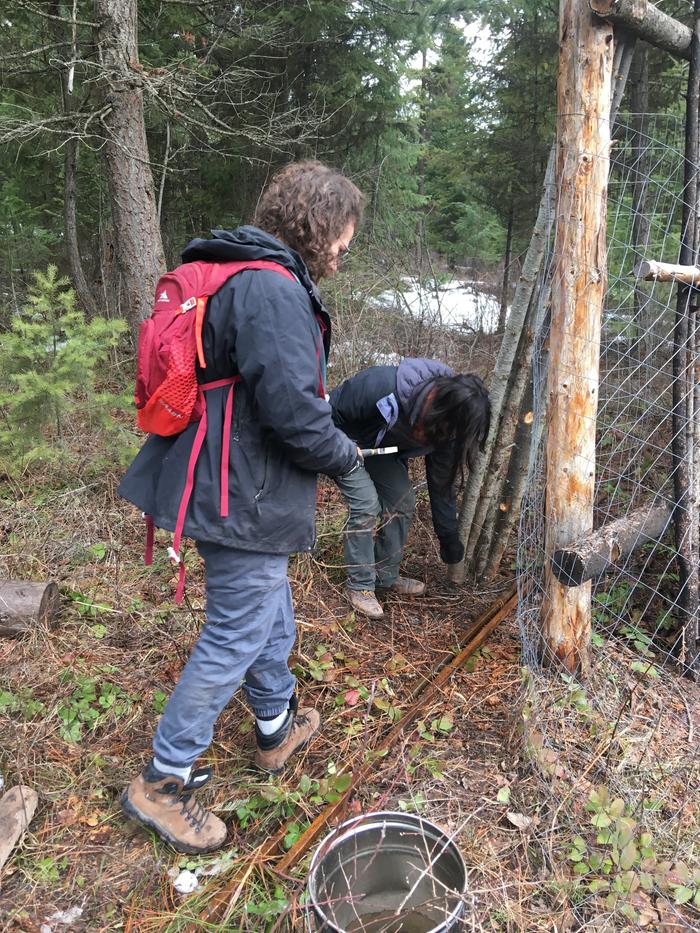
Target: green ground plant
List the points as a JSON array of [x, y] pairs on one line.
[[616, 857], [92, 702]]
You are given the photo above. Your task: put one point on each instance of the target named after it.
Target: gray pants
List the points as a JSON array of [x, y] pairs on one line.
[[379, 490], [246, 640]]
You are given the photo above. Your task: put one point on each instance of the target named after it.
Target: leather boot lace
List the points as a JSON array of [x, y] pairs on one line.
[[193, 811], [300, 719]]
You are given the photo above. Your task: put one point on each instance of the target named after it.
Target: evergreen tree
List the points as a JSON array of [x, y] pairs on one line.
[[50, 362]]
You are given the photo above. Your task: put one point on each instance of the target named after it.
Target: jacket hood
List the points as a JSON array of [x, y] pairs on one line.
[[413, 379], [247, 243]]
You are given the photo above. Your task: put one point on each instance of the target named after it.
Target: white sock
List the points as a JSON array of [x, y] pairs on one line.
[[183, 773], [270, 726]]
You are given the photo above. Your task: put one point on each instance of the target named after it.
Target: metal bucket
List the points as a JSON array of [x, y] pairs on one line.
[[385, 873]]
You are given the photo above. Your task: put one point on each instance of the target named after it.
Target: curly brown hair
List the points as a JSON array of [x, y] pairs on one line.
[[308, 205]]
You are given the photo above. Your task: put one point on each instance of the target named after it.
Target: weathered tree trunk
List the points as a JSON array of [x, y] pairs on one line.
[[599, 551], [24, 605], [647, 22], [17, 808], [686, 436], [138, 240], [503, 310], [578, 288]]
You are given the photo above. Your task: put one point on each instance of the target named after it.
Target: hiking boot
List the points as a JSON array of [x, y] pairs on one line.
[[405, 586], [165, 803], [364, 602], [275, 750]]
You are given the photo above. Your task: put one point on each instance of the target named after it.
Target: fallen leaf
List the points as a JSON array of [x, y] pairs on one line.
[[352, 697], [645, 909], [520, 820], [66, 817]]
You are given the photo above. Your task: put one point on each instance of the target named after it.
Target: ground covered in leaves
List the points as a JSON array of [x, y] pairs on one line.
[[573, 807]]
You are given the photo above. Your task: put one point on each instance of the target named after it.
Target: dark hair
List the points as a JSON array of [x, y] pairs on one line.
[[459, 412], [308, 205]]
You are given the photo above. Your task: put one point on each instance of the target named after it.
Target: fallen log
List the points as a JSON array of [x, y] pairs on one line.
[[25, 605], [592, 555], [648, 270], [647, 22], [17, 808]]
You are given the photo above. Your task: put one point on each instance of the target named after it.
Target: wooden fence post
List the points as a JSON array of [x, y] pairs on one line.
[[578, 288]]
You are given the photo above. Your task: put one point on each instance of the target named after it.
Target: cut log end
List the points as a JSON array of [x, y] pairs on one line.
[[648, 270], [26, 605]]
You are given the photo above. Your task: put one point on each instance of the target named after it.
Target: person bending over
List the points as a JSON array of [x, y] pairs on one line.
[[272, 331], [425, 409]]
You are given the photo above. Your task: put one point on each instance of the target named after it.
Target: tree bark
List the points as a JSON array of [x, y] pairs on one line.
[[139, 246], [24, 605], [598, 552], [686, 432], [503, 310], [647, 22], [578, 288]]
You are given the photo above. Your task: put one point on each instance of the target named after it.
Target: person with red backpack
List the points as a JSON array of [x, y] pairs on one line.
[[239, 477]]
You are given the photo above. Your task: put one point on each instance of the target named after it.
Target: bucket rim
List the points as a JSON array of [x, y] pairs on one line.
[[412, 821]]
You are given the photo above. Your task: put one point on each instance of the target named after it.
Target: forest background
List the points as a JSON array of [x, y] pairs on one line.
[[443, 113]]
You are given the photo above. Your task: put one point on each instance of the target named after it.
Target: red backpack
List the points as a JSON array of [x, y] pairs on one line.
[[167, 395]]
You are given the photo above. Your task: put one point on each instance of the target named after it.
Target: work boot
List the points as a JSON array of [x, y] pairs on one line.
[[275, 750], [404, 586], [164, 802], [364, 602]]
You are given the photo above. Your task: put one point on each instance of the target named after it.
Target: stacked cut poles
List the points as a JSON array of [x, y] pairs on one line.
[[686, 404], [578, 289]]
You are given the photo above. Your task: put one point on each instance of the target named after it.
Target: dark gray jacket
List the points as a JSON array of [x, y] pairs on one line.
[[380, 406], [266, 328]]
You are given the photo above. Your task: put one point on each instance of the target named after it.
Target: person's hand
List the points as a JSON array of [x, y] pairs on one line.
[[357, 465], [451, 550]]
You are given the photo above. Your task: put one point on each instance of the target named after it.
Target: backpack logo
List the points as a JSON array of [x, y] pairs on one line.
[[163, 297]]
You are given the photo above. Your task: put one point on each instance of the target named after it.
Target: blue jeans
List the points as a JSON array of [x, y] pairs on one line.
[[382, 490], [246, 641]]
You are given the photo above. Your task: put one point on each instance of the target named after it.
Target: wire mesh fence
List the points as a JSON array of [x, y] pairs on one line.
[[620, 753]]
